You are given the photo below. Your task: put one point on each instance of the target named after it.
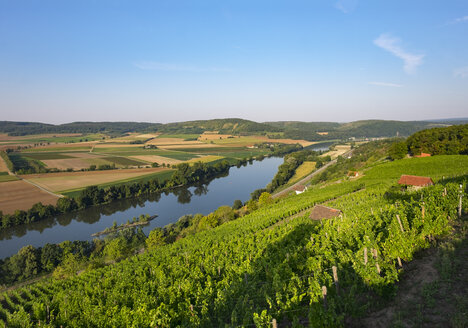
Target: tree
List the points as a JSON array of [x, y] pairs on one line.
[[265, 199], [51, 256], [155, 239], [398, 150], [237, 204]]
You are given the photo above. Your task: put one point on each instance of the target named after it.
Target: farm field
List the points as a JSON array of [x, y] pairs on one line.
[[65, 181], [4, 177], [303, 170], [3, 166], [20, 195], [160, 175], [437, 167], [339, 150]]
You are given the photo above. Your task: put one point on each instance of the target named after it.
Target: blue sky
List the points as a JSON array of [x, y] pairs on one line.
[[165, 61]]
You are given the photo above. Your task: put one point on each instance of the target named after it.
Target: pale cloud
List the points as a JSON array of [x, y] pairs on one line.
[[168, 67], [459, 20], [392, 45], [461, 72], [386, 84], [346, 6]]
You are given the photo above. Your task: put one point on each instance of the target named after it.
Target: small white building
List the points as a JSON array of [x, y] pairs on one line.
[[299, 189]]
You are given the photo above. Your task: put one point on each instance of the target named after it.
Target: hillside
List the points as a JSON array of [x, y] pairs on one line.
[[312, 131], [356, 129], [270, 264]]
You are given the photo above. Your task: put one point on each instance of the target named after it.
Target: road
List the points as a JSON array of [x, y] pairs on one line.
[[303, 181]]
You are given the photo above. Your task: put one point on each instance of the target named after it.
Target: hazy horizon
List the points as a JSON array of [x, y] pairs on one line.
[[172, 61]]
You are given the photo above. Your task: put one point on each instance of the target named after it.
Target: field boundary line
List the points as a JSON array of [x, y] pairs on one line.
[[40, 187]]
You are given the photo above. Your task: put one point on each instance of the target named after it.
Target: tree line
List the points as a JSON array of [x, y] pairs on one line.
[[451, 140]]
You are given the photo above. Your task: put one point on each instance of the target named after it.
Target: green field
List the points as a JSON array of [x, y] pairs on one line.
[[47, 155], [161, 176], [61, 139], [71, 148], [4, 177], [435, 167], [123, 161], [179, 136]]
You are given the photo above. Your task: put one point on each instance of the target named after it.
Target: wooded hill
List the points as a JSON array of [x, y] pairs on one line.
[[313, 131]]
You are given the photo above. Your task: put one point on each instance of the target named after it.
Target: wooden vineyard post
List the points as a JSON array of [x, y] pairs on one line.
[[423, 211], [273, 324], [191, 309], [324, 295], [219, 271], [399, 222], [399, 262], [374, 252], [365, 255], [445, 192], [460, 203], [335, 278]]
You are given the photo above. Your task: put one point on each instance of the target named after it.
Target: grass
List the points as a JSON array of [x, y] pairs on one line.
[[70, 147], [4, 177], [435, 167], [61, 139], [303, 170], [161, 176]]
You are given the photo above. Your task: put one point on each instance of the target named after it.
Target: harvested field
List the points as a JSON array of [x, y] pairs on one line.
[[147, 135], [74, 180], [339, 150], [20, 195], [157, 159]]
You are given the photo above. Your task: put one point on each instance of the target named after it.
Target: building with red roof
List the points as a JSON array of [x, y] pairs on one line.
[[415, 181]]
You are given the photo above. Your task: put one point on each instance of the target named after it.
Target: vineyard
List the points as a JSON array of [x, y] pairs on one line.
[[273, 265]]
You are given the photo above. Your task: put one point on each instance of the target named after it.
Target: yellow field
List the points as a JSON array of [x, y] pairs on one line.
[[303, 170], [156, 159], [205, 159], [20, 195], [62, 181], [339, 150]]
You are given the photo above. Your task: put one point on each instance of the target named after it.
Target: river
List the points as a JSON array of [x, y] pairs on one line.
[[169, 207]]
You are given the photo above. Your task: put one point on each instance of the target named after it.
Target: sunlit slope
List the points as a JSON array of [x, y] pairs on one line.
[[269, 264]]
